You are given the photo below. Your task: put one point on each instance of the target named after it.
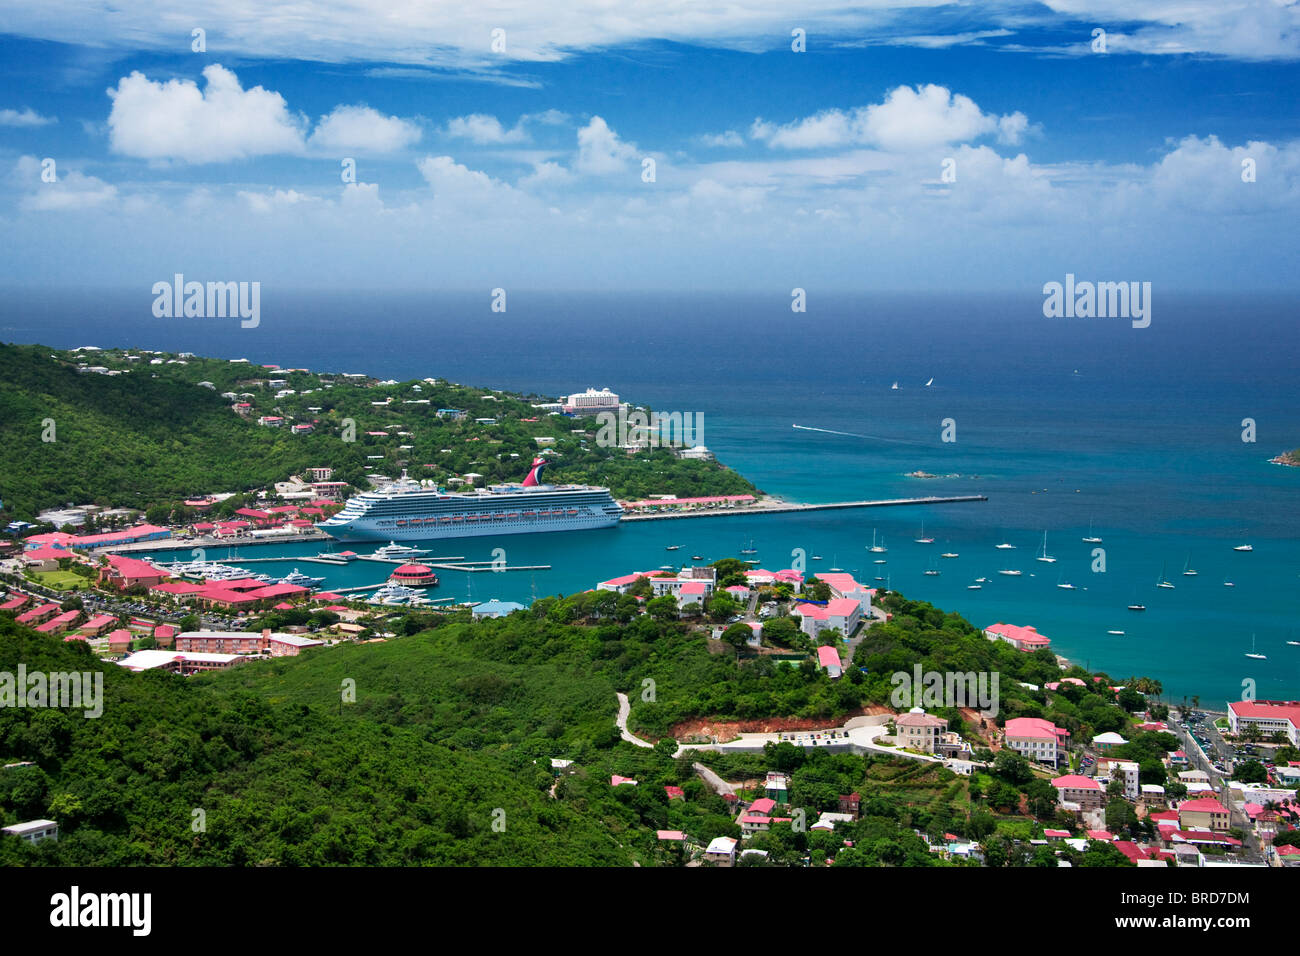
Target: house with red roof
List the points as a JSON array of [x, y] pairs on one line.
[[61, 623], [1076, 792], [829, 658], [97, 625], [1266, 716], [38, 615], [43, 559], [165, 635], [844, 585], [691, 592], [1205, 813], [15, 602], [617, 781], [1035, 738], [1025, 639], [119, 641], [675, 793], [122, 572], [843, 614], [176, 590]]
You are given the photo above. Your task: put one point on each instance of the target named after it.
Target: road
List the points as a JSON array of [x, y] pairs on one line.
[[625, 708]]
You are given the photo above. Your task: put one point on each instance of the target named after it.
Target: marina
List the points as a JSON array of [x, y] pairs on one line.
[[785, 507]]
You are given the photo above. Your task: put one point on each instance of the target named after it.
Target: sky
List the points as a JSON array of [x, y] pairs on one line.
[[679, 145]]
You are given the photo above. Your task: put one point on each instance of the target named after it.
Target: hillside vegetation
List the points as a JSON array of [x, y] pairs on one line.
[[153, 435]]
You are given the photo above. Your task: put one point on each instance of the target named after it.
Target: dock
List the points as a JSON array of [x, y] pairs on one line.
[[785, 507]]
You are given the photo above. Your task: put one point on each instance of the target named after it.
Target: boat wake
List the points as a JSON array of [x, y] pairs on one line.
[[831, 431]]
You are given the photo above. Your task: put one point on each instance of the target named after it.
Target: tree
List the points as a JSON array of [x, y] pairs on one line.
[[1251, 771], [737, 635], [666, 746], [662, 608], [1120, 815]]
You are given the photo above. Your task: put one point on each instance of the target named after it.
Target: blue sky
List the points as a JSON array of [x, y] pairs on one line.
[[524, 168]]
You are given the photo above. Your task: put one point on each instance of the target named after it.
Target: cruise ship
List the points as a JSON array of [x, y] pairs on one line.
[[407, 510]]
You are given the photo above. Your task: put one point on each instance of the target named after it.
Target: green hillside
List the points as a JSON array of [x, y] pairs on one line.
[[152, 435]]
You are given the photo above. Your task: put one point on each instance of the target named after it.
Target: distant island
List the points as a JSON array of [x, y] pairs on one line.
[[148, 430], [1291, 458]]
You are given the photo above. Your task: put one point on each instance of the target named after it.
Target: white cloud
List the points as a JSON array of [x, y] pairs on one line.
[[449, 33], [908, 119], [546, 174], [73, 190], [719, 140], [600, 151], [175, 121], [27, 117], [362, 129], [483, 130], [274, 200]]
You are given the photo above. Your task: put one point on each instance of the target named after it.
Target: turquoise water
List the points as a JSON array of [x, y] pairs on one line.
[[1058, 422]]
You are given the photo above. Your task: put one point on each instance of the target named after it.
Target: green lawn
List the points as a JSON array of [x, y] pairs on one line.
[[62, 580]]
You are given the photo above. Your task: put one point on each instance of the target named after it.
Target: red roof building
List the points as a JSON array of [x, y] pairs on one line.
[[123, 572], [1021, 638]]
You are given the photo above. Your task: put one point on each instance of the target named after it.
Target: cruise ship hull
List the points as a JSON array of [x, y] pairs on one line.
[[427, 516], [366, 530]]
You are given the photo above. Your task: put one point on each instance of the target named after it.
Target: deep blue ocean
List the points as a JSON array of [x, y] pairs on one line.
[[1060, 422]]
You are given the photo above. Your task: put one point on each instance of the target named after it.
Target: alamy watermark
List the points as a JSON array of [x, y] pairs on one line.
[[65, 690], [1102, 300], [215, 300], [636, 429], [932, 689]]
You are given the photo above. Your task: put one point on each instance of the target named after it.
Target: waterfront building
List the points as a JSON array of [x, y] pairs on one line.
[[1021, 638]]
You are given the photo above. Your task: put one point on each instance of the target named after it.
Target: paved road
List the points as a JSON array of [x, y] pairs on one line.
[[625, 708], [716, 783]]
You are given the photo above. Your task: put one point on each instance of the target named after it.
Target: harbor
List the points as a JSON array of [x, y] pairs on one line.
[[776, 506]]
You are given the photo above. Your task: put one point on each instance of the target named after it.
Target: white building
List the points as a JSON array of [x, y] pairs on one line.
[[592, 402], [34, 831]]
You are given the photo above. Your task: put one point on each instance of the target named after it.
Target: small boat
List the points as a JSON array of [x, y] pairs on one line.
[[1252, 654], [931, 571], [666, 567], [1162, 582], [1005, 547], [894, 387], [1137, 607], [948, 554], [974, 587], [673, 547], [1091, 538], [395, 550], [1010, 574], [929, 383], [751, 549], [981, 580], [1116, 633], [1228, 584], [1294, 643], [877, 548], [697, 557], [1188, 570], [836, 570], [879, 578], [816, 557], [1244, 547], [1067, 586], [1044, 556], [923, 539], [296, 577]]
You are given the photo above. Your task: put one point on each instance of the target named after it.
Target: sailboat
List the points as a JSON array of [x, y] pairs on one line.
[[1064, 585], [929, 383], [923, 539], [894, 387], [751, 549], [877, 548], [672, 547], [1091, 538], [1229, 584], [1135, 606], [1188, 570], [1252, 654], [1161, 581], [1045, 557]]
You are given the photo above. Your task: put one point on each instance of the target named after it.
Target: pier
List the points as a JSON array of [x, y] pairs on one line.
[[785, 507]]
